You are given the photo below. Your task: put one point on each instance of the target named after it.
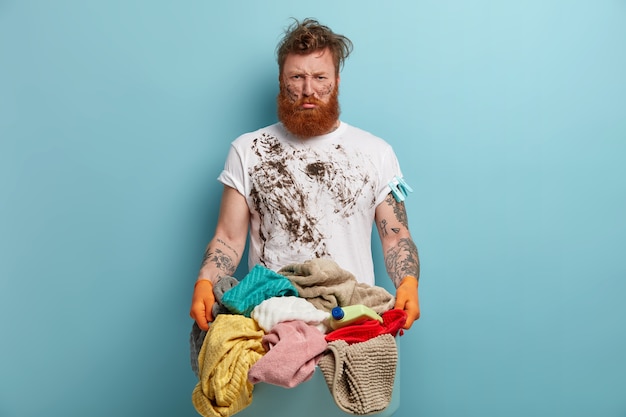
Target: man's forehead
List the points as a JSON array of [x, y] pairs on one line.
[[320, 59]]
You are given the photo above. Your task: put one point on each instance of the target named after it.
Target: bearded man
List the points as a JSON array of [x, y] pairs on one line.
[[310, 186]]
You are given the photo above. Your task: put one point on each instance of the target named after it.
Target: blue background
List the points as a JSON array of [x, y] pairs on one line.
[[509, 119]]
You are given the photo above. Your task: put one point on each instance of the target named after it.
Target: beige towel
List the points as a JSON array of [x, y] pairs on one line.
[[360, 376], [326, 285]]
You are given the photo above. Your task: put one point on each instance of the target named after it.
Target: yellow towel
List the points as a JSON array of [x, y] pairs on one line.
[[232, 345]]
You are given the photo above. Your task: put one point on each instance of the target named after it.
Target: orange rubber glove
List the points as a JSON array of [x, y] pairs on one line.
[[407, 299], [202, 303]]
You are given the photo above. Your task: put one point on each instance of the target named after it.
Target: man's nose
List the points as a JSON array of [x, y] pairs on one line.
[[307, 88]]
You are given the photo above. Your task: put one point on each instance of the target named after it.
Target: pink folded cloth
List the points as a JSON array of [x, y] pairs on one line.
[[393, 320], [293, 350]]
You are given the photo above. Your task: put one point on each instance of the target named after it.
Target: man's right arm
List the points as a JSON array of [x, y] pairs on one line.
[[222, 254]]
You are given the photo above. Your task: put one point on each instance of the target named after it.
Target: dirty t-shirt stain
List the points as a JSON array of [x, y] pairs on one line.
[[311, 198]]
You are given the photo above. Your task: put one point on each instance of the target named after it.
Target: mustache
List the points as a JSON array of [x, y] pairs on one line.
[[286, 96]]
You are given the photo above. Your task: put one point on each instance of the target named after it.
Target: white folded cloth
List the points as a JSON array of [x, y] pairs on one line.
[[279, 309]]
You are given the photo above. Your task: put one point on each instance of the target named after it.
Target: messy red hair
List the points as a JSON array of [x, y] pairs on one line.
[[309, 36]]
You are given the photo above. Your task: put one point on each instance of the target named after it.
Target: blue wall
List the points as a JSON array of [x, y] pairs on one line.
[[509, 119]]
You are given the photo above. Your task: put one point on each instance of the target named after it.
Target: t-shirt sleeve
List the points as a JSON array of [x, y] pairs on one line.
[[390, 168], [233, 174]]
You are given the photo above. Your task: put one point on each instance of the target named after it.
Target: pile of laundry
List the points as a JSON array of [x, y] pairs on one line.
[[273, 327]]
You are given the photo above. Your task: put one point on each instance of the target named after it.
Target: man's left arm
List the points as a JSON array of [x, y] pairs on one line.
[[400, 253]]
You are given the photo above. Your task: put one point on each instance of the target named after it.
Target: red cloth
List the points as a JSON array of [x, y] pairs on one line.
[[393, 320]]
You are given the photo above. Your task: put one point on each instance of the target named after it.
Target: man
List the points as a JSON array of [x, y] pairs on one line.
[[310, 186]]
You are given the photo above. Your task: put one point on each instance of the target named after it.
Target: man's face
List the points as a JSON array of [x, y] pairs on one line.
[[311, 75], [307, 102]]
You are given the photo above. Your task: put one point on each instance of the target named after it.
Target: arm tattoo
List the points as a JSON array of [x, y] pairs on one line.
[[383, 227], [402, 260], [228, 246], [398, 209], [221, 260]]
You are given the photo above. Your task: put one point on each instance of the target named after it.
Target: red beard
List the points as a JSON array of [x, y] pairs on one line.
[[306, 123]]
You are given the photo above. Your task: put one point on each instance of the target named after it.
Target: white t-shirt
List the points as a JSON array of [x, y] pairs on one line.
[[311, 198]]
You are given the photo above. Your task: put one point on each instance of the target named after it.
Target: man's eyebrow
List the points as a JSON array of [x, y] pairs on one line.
[[301, 71], [294, 71]]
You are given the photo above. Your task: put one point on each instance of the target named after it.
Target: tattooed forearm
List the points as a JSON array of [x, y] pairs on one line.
[[228, 246], [222, 261], [402, 260]]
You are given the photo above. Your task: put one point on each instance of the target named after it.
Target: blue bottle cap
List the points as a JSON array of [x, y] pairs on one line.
[[337, 313]]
